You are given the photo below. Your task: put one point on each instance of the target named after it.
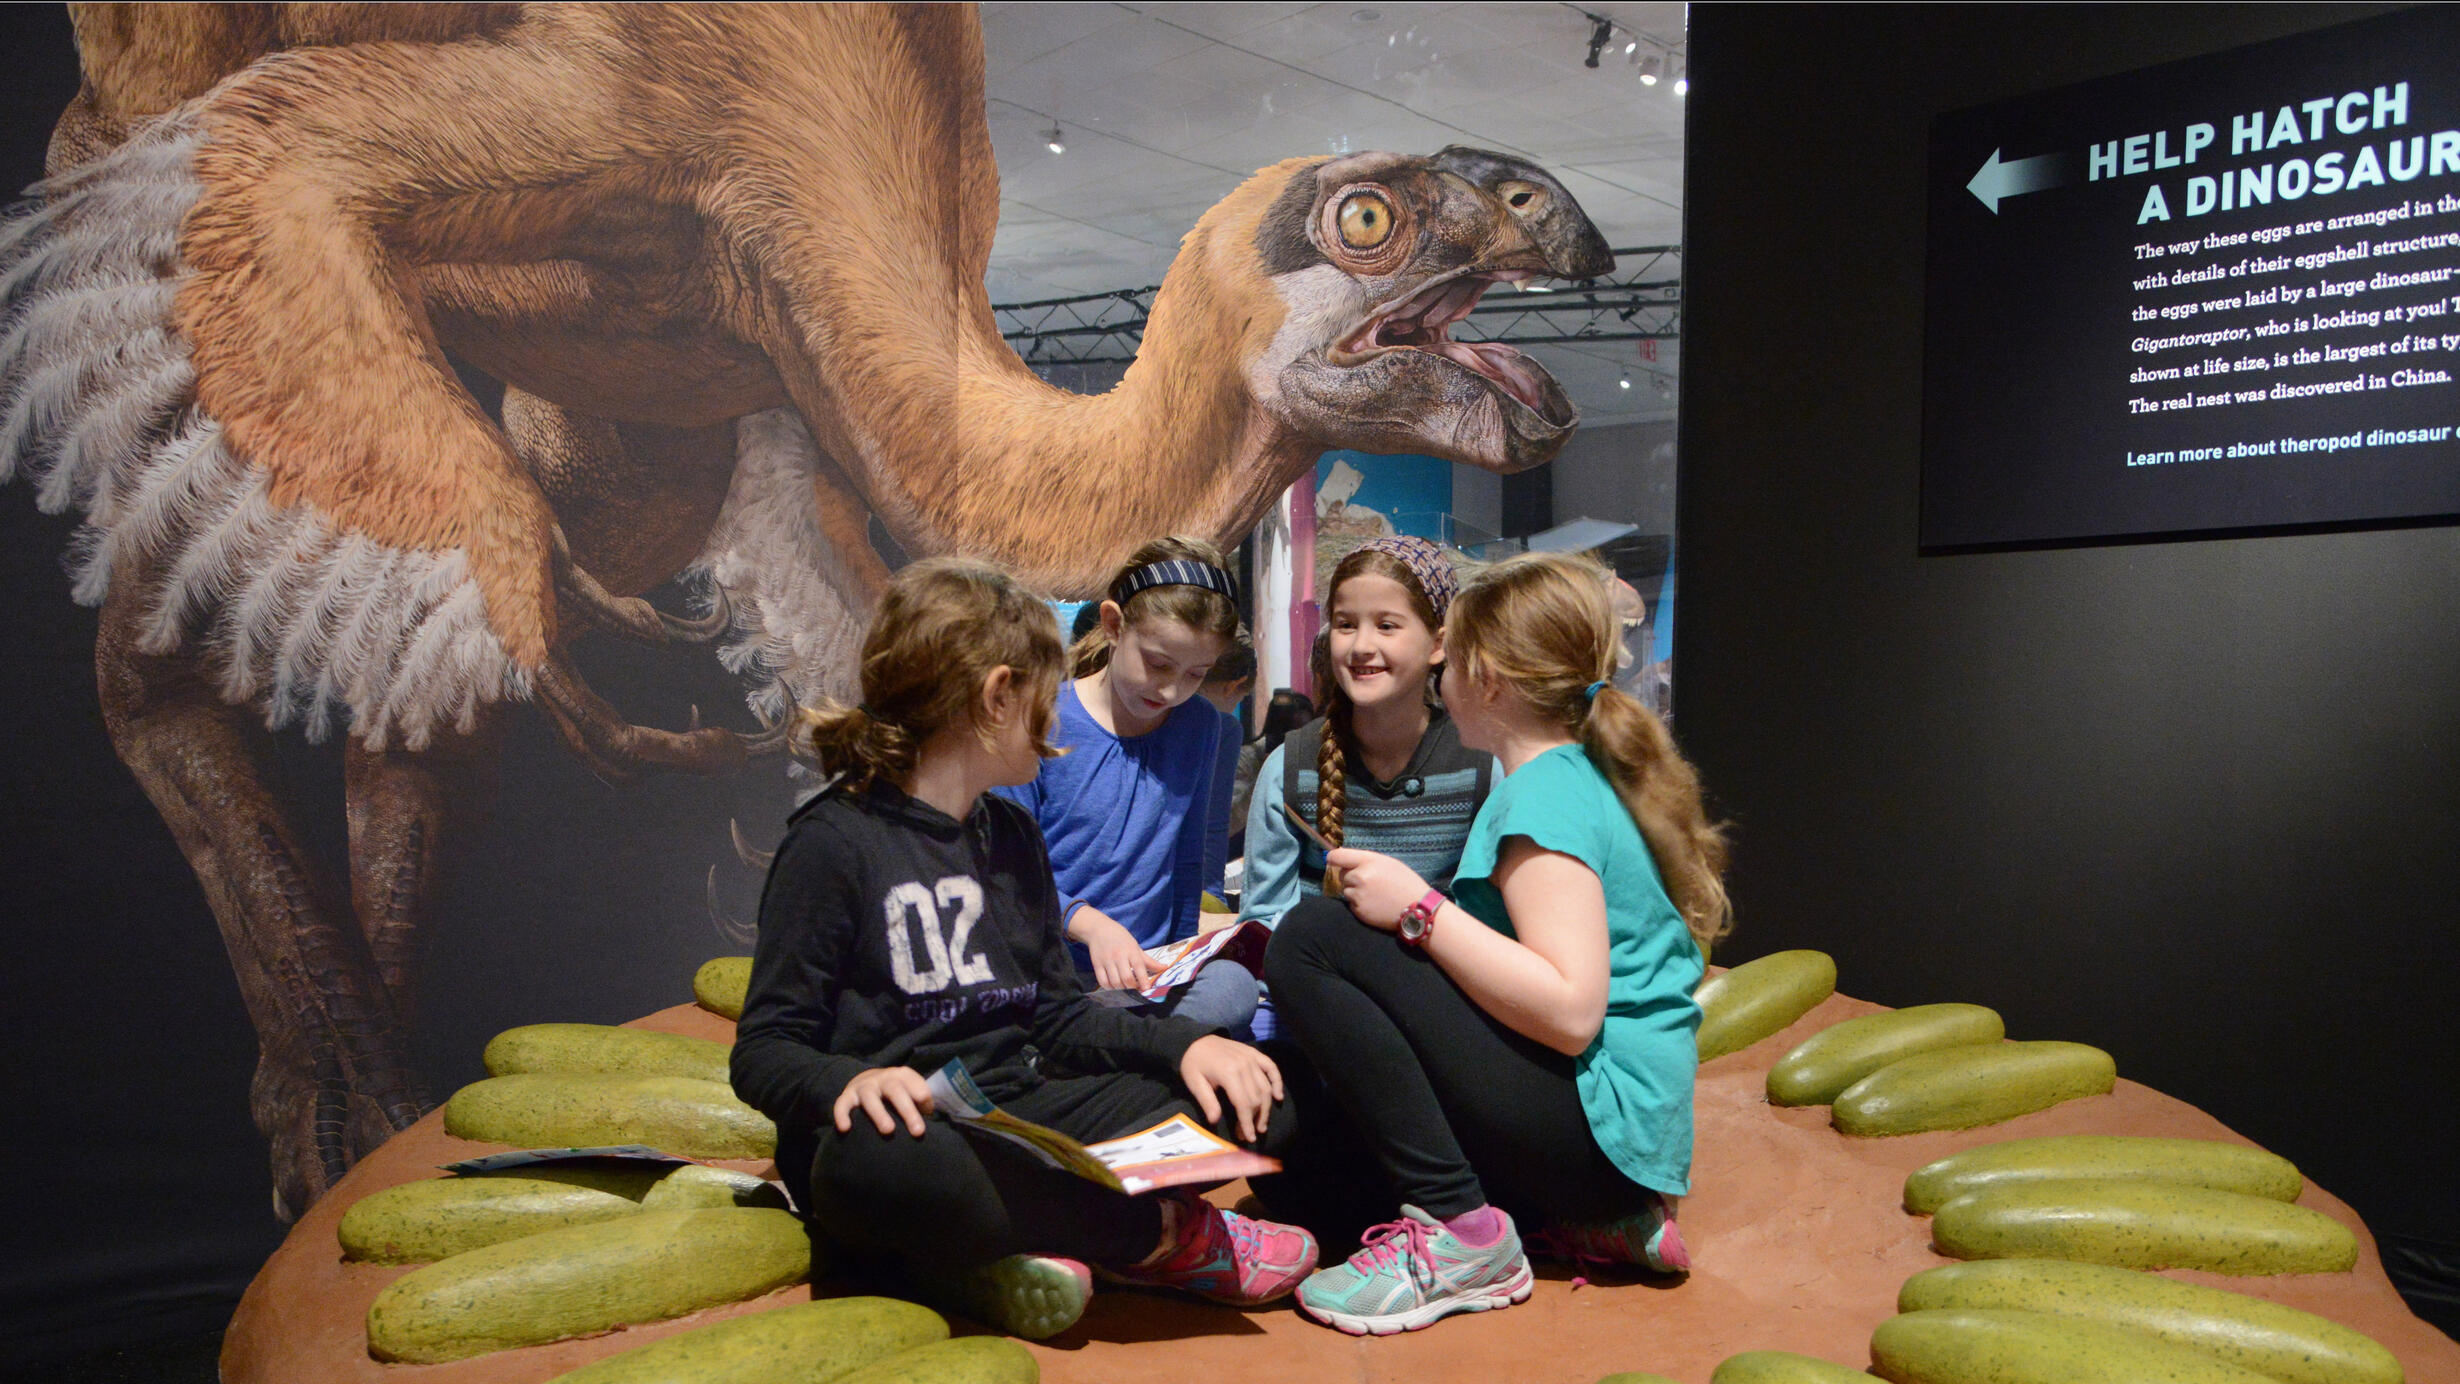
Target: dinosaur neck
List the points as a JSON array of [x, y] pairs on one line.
[[1178, 447], [959, 447], [871, 239]]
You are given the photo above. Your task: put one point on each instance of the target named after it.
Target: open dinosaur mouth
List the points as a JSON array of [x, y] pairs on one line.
[[1423, 322]]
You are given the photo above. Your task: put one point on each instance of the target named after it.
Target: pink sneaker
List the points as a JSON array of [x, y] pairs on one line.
[[1647, 1238], [1224, 1256]]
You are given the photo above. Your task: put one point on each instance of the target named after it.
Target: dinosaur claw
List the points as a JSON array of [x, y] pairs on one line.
[[758, 860], [723, 921], [630, 616], [614, 747], [721, 617], [771, 739], [693, 723]]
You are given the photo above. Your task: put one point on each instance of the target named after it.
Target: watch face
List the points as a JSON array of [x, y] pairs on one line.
[[1413, 925]]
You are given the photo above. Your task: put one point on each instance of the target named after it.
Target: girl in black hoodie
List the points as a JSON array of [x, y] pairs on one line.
[[910, 918]]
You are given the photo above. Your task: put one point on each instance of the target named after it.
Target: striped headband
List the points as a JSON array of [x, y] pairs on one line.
[[1177, 571], [1427, 563]]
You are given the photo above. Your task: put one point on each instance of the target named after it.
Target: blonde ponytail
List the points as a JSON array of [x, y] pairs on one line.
[[1543, 624], [1661, 791]]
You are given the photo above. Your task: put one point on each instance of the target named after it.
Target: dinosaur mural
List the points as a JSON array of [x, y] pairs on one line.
[[727, 265]]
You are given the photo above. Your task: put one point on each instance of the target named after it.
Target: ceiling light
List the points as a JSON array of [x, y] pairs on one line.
[[1624, 382], [1648, 72], [1682, 85], [1600, 34], [1527, 286], [1628, 47], [1051, 138]]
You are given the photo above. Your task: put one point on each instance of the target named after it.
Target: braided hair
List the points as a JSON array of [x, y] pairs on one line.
[[1416, 565]]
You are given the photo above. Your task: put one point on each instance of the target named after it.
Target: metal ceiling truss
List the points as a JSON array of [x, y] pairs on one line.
[[1640, 301]]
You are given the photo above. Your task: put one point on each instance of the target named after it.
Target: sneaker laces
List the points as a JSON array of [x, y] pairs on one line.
[[1553, 1245], [1246, 1238], [1403, 1240]]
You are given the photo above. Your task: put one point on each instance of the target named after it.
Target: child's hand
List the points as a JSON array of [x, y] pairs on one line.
[[1377, 887], [880, 1090], [1246, 1078], [1118, 962]]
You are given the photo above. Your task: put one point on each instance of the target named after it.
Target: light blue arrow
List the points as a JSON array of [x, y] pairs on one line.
[[2014, 178]]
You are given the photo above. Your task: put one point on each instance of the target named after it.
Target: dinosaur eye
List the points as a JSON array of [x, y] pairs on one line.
[[1366, 221], [1525, 199]]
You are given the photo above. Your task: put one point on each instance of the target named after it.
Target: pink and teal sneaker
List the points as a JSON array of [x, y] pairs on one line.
[[1414, 1272], [1224, 1256], [1647, 1238]]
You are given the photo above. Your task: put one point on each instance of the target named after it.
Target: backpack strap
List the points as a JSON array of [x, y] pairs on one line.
[[1291, 762]]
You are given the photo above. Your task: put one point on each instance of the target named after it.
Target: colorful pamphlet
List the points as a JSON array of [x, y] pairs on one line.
[[1175, 1152], [1243, 943]]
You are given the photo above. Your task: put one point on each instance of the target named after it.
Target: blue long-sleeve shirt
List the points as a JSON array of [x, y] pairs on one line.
[[1128, 820]]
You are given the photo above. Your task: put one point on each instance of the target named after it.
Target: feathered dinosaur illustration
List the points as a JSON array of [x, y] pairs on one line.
[[727, 263]]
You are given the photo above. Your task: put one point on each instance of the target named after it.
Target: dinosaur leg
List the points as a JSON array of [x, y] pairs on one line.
[[331, 1082], [407, 811]]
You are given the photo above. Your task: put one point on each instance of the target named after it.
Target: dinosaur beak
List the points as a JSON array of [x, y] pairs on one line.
[[1556, 226]]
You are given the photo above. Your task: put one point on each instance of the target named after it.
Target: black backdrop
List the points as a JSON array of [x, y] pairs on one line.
[[2195, 802], [137, 1191]]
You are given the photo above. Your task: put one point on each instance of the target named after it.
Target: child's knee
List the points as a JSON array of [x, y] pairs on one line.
[[864, 1173], [1302, 936]]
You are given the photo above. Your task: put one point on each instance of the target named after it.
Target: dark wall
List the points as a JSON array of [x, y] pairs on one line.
[[2195, 802]]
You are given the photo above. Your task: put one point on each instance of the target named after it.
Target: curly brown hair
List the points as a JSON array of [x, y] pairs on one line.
[[944, 625]]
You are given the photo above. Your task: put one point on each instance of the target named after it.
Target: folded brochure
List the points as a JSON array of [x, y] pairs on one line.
[[1172, 1153], [1243, 943]]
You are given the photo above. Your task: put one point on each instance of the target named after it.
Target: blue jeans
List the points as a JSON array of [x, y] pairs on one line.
[[1223, 995]]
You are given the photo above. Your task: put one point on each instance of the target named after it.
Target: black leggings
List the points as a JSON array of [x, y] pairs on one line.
[[1454, 1107], [954, 1199]]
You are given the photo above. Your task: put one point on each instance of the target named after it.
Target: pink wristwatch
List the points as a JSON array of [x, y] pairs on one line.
[[1418, 920]]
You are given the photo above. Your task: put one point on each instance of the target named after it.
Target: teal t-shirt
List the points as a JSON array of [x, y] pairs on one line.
[[1635, 1079]]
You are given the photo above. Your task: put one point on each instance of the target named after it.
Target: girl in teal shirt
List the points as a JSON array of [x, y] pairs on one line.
[[1533, 1038]]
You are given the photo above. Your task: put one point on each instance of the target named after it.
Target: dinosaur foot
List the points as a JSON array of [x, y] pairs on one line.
[[630, 616], [318, 1127], [617, 749]]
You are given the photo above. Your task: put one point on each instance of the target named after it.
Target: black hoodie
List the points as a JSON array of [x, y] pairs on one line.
[[892, 934]]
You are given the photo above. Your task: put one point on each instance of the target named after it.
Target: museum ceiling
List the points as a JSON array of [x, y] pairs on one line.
[[1163, 108]]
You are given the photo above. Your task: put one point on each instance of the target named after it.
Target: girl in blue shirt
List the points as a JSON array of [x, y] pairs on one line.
[[1128, 811], [1533, 1042]]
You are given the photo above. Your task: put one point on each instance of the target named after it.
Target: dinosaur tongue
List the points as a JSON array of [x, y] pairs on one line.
[[1498, 362]]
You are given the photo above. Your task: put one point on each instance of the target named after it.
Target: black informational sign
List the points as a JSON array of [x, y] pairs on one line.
[[2217, 294]]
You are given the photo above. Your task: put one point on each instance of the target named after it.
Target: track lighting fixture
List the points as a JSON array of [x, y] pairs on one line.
[[1625, 382], [1648, 72], [1601, 33], [1052, 138]]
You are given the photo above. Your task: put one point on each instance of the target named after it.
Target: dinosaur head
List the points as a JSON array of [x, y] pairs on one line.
[[1375, 257]]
